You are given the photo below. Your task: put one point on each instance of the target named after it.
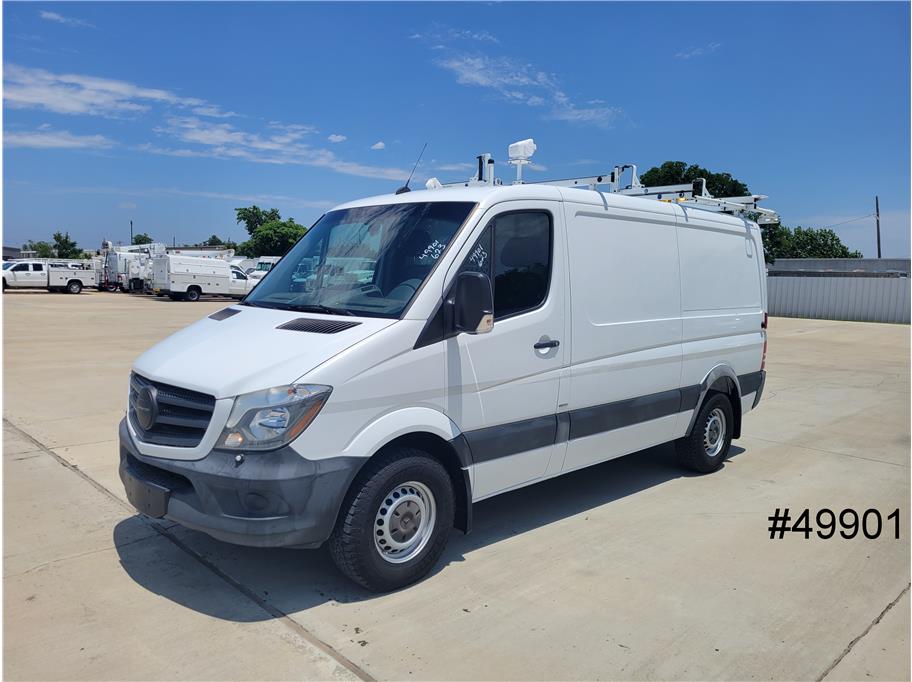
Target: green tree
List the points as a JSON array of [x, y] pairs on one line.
[[272, 239], [679, 173], [254, 217], [142, 238], [66, 247], [780, 241], [42, 249], [214, 240]]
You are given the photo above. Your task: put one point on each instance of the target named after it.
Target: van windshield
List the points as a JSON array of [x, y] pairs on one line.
[[366, 261]]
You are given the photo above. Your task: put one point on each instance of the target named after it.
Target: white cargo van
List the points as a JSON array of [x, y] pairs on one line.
[[506, 335], [263, 265], [188, 277]]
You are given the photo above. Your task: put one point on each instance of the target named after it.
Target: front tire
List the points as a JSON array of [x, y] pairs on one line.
[[706, 448], [395, 522]]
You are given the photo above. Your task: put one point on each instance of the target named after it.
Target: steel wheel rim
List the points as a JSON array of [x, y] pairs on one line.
[[404, 522], [714, 433]]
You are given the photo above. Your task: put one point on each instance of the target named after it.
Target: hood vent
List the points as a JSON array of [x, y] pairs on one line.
[[315, 326], [224, 314]]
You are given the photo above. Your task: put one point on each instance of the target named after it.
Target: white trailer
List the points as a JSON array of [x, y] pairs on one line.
[[189, 277]]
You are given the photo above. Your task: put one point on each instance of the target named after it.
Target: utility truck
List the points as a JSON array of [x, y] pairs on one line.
[[56, 275], [487, 336], [187, 278], [69, 279]]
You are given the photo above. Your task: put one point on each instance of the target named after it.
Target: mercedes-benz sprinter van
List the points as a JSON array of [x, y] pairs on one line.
[[415, 353]]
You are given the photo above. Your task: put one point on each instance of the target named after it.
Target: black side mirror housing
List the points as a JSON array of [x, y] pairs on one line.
[[473, 303]]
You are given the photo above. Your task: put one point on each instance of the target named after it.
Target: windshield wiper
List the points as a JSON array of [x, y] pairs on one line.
[[256, 304], [319, 308]]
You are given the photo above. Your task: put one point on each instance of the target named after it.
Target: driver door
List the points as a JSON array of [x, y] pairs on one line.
[[503, 386]]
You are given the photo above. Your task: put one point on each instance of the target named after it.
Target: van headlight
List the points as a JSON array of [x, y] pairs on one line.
[[265, 420]]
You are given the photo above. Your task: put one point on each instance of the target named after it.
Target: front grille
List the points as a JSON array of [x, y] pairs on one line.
[[179, 416]]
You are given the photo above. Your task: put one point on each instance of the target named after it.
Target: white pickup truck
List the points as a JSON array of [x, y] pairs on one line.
[[39, 274]]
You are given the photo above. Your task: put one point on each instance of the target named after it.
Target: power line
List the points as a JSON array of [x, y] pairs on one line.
[[852, 220]]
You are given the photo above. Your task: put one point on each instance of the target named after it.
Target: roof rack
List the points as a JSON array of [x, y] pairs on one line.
[[690, 195]]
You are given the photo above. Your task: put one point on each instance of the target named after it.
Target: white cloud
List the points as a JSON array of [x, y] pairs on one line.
[[378, 145], [60, 19], [285, 144], [452, 167], [213, 111], [522, 83], [44, 138], [438, 33], [698, 51], [28, 88], [253, 198], [335, 138], [128, 205], [193, 135]]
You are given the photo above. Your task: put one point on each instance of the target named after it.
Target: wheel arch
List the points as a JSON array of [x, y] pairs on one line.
[[427, 430], [720, 379]]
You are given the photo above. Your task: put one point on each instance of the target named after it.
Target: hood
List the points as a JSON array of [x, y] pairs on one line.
[[245, 352]]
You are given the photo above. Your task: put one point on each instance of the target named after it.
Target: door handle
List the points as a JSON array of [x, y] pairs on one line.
[[554, 343]]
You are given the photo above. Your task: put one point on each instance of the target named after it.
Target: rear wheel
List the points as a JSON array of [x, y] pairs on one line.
[[707, 446], [192, 295], [395, 522], [74, 287]]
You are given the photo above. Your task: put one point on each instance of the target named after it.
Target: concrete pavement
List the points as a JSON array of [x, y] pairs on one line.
[[628, 570]]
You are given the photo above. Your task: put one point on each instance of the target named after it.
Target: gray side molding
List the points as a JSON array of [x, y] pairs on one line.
[[720, 372]]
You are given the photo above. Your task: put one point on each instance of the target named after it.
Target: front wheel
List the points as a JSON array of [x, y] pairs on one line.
[[707, 446], [395, 522]]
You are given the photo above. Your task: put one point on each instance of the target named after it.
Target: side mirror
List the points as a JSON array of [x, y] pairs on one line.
[[473, 303]]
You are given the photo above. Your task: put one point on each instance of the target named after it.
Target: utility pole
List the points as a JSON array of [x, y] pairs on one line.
[[877, 216], [131, 231]]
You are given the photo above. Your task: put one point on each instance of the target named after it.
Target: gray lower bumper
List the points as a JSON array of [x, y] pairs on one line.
[[760, 388], [271, 499]]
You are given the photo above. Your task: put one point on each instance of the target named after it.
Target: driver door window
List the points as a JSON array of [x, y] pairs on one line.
[[515, 252]]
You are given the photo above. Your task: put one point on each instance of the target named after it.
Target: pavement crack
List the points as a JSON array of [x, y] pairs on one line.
[[271, 609], [845, 652], [828, 452]]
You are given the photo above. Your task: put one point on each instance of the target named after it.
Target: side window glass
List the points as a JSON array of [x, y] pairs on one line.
[[522, 262], [38, 267], [479, 260], [21, 267], [515, 251]]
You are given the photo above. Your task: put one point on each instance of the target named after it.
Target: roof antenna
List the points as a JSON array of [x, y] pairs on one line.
[[405, 187]]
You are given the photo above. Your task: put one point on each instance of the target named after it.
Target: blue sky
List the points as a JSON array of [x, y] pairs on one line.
[[173, 114]]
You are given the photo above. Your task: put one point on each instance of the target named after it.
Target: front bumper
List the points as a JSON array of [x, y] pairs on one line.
[[270, 499]]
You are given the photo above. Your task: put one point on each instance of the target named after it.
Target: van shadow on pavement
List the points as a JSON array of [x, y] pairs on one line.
[[295, 580]]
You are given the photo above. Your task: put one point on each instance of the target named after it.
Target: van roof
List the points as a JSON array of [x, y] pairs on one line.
[[487, 195]]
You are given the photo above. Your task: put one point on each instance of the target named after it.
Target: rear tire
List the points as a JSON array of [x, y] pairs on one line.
[[192, 295], [706, 448], [74, 287], [395, 521]]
